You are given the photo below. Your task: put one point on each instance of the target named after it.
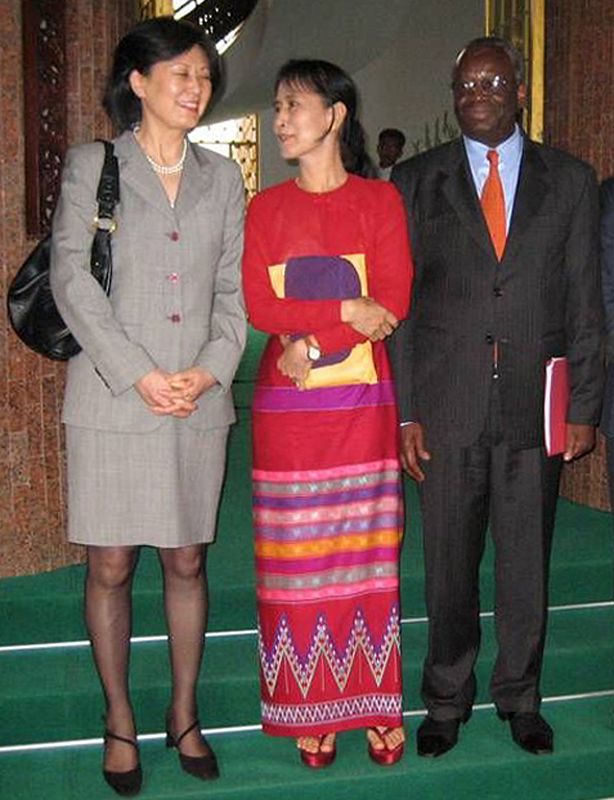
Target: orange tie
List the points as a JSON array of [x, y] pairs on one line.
[[493, 204]]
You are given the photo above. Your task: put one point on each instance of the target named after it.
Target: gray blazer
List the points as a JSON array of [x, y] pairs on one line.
[[176, 299]]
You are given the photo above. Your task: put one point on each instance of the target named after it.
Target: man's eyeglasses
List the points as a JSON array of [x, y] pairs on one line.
[[496, 84]]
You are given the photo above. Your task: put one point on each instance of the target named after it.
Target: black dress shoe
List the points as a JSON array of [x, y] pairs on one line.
[[530, 731], [128, 783], [436, 736], [203, 767]]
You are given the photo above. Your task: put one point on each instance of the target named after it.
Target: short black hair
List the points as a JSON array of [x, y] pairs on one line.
[[151, 41], [392, 133]]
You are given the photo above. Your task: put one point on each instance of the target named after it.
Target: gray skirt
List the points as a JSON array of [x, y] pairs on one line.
[[160, 488]]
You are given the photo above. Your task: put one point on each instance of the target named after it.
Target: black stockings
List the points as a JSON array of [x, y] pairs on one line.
[[185, 605], [108, 615]]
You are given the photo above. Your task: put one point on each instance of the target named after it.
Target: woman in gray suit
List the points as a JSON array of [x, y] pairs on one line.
[[148, 401]]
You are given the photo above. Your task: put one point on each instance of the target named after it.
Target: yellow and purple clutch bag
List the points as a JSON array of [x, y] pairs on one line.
[[329, 278]]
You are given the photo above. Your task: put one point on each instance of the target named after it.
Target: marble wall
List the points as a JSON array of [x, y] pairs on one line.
[[579, 118], [32, 535]]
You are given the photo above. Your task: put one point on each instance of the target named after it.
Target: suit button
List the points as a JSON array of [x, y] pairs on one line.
[[498, 292], [174, 236], [489, 338]]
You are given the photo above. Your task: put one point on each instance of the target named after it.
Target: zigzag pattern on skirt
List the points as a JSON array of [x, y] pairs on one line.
[[348, 708], [340, 660]]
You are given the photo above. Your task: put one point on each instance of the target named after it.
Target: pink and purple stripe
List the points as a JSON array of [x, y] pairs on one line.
[[291, 512], [334, 398]]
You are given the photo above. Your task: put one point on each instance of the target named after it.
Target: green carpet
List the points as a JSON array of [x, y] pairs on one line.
[[47, 608], [485, 764], [63, 684], [51, 694]]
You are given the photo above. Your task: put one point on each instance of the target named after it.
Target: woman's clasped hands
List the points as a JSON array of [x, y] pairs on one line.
[[368, 317], [174, 394], [363, 314], [294, 362]]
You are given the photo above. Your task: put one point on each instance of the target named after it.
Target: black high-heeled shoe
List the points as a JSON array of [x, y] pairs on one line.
[[203, 767], [126, 783]]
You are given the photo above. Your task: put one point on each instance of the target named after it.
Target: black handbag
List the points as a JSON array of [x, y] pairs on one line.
[[32, 310]]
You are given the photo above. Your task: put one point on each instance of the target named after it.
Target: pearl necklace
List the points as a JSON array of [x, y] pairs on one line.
[[173, 169]]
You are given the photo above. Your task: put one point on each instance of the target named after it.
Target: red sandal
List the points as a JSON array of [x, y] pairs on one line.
[[319, 758], [384, 756]]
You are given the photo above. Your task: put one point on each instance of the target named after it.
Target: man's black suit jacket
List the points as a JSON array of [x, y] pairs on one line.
[[543, 299]]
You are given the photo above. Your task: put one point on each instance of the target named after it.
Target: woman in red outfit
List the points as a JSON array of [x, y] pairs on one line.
[[327, 273]]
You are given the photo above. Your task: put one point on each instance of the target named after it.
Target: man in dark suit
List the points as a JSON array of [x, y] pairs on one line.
[[500, 288]]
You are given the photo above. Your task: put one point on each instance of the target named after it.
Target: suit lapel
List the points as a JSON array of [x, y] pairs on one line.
[[136, 173], [533, 186], [195, 184], [195, 180], [460, 192]]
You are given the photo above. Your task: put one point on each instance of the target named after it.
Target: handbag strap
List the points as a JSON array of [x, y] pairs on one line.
[[107, 195]]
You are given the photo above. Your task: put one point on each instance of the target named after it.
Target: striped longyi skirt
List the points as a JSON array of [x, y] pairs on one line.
[[328, 522]]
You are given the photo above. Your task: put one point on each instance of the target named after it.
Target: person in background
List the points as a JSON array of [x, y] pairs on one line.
[[327, 274], [148, 403], [390, 144], [504, 235]]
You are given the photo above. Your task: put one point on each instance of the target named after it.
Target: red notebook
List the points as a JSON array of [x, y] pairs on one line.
[[556, 402]]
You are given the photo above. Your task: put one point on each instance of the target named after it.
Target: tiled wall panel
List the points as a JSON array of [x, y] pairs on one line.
[[579, 117], [32, 475]]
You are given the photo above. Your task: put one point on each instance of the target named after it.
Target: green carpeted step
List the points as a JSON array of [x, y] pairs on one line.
[[62, 694], [485, 764], [60, 688], [48, 607], [53, 694], [248, 367], [581, 566]]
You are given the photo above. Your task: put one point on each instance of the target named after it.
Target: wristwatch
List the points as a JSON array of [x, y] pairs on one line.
[[313, 353]]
